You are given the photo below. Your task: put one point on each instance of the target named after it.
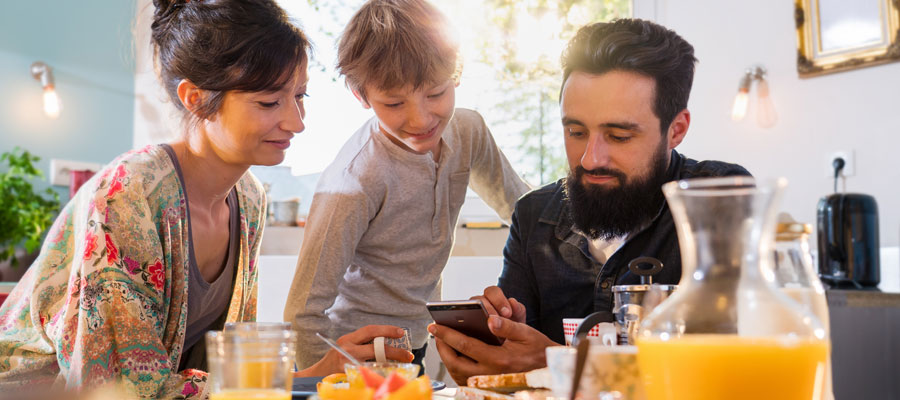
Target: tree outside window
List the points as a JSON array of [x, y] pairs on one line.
[[521, 42]]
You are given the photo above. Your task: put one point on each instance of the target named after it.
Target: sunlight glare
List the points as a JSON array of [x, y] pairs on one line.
[[535, 38], [579, 15]]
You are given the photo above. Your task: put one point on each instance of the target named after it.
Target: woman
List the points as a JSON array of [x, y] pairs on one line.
[[162, 245]]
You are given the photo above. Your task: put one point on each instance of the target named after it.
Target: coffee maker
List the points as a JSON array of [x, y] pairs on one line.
[[847, 225]]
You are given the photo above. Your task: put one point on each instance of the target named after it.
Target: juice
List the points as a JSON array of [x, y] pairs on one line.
[[251, 394], [257, 374], [261, 374], [250, 361], [818, 305], [714, 367]]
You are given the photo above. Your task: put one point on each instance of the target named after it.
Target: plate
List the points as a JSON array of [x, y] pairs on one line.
[[306, 387]]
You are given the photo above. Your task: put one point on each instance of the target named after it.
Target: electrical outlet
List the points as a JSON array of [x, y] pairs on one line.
[[61, 170], [849, 163]]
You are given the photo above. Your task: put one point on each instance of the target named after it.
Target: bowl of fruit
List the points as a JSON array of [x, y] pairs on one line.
[[376, 381]]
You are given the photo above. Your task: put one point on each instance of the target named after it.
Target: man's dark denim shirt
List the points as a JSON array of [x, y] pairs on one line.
[[547, 265]]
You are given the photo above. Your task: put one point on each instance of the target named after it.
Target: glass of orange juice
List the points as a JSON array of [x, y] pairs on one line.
[[251, 362]]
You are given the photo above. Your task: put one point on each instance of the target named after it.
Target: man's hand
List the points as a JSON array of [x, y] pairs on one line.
[[358, 344], [496, 303], [523, 349]]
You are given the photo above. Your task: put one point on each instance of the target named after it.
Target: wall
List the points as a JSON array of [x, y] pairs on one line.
[[855, 110], [155, 118], [88, 45]]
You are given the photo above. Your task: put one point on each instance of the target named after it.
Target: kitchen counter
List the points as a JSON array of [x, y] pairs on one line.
[[6, 287], [286, 240]]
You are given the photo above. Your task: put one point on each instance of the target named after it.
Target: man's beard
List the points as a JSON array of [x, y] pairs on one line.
[[606, 213]]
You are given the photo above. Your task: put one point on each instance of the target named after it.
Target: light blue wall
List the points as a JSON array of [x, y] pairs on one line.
[[89, 45]]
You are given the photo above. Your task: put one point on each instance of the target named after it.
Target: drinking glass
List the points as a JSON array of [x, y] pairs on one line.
[[251, 361]]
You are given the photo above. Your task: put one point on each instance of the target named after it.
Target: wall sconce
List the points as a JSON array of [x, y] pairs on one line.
[[44, 74], [765, 110]]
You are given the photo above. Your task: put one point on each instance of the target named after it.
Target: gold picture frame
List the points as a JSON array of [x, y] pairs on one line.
[[840, 35]]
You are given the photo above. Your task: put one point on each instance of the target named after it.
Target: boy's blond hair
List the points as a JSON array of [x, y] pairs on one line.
[[390, 44]]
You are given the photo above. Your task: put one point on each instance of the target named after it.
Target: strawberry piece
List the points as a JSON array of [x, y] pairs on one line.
[[371, 378], [393, 382]]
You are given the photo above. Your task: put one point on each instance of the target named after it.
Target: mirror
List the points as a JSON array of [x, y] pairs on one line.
[[839, 35]]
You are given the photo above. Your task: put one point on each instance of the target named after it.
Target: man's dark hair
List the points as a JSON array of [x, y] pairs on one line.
[[637, 46]]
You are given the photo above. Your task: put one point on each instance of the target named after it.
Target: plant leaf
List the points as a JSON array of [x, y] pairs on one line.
[[31, 245]]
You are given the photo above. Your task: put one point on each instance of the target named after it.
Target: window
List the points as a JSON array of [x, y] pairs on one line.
[[511, 76]]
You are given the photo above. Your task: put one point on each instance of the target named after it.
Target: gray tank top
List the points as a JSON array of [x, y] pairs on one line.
[[207, 301]]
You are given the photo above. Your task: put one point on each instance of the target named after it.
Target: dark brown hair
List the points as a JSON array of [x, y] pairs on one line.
[[638, 46], [393, 43], [224, 45]]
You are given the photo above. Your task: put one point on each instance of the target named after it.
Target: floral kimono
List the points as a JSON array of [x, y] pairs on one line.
[[106, 300]]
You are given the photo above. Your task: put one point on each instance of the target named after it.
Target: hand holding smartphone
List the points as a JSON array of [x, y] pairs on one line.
[[465, 316]]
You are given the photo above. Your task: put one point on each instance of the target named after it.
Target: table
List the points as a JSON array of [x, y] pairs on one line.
[[865, 343]]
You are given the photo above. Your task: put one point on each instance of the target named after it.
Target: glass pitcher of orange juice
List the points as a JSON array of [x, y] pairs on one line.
[[251, 361], [728, 332]]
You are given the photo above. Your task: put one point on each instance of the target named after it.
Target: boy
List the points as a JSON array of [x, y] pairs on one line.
[[382, 220]]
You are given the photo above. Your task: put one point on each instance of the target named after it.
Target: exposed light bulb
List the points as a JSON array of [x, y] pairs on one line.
[[52, 105], [44, 74], [765, 110], [739, 109]]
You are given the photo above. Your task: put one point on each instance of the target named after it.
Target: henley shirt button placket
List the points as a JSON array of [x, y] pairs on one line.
[[438, 198]]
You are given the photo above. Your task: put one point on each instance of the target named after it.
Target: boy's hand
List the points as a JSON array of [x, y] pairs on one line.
[[358, 344], [496, 303]]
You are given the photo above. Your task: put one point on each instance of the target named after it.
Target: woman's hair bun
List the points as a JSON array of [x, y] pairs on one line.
[[165, 8], [224, 45]]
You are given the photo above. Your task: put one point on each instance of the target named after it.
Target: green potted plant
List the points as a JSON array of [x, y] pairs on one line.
[[25, 213]]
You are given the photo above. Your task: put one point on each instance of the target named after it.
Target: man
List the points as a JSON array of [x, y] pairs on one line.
[[624, 110]]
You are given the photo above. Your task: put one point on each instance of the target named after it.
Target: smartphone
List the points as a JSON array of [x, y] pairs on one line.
[[466, 316]]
